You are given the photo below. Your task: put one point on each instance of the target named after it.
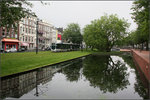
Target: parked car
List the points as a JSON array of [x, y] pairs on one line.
[[21, 49], [11, 50], [8, 50]]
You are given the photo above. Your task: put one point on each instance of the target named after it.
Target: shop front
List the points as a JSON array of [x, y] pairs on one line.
[[24, 45], [10, 43]]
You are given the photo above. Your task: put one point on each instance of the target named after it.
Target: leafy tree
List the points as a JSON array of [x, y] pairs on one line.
[[72, 33], [141, 17], [12, 11], [105, 32], [131, 39]]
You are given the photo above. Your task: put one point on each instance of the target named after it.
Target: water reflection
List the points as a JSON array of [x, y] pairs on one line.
[[106, 74], [18, 85], [141, 86], [72, 72], [88, 77]]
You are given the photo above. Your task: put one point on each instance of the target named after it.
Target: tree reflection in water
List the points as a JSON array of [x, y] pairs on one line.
[[72, 72], [141, 86], [106, 74]]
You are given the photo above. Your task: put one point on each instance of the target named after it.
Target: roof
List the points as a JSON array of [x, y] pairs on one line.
[[10, 40]]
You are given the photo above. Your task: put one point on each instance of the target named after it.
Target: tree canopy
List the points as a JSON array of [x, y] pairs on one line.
[[12, 11], [72, 34], [105, 32], [141, 17]]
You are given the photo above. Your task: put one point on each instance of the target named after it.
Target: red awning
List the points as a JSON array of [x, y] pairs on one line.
[[10, 40], [24, 44]]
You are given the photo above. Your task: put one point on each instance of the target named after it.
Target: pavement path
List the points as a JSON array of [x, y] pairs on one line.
[[144, 54]]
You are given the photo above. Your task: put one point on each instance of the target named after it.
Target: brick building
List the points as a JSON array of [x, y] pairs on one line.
[[9, 37]]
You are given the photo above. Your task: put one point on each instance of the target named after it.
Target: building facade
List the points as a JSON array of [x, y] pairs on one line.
[[27, 37], [26, 34], [54, 35], [9, 38], [44, 34]]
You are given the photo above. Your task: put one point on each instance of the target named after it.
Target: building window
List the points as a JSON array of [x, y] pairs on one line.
[[26, 30], [27, 21], [3, 32], [15, 35], [12, 35], [29, 31], [29, 39], [24, 21], [23, 38], [26, 39], [23, 29]]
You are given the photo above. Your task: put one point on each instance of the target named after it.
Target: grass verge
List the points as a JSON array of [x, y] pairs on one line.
[[19, 62]]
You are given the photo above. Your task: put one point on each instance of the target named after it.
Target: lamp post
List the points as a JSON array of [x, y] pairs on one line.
[[37, 28]]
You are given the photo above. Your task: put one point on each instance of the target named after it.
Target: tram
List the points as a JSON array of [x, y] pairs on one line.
[[61, 47]]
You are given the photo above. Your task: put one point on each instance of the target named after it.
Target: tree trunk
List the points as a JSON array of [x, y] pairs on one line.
[[86, 48], [147, 45], [108, 49], [133, 46], [142, 46], [92, 48]]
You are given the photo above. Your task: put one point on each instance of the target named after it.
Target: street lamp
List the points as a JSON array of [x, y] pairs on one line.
[[37, 28]]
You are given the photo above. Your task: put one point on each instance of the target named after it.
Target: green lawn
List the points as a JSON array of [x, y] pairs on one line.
[[18, 62]]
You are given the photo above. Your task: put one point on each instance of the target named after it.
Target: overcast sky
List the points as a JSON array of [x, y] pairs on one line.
[[61, 13]]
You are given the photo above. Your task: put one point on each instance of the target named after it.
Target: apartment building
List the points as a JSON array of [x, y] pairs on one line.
[[9, 37], [27, 37], [26, 34], [54, 35], [44, 34]]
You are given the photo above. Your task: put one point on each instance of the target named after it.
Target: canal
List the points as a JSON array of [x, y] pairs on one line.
[[90, 77]]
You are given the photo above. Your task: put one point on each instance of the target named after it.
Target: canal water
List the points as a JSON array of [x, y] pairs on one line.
[[91, 77]]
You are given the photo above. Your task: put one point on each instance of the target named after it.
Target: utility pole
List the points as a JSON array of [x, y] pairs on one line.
[[37, 28]]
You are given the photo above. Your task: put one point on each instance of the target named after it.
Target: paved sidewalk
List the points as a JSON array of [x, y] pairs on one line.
[[125, 50], [144, 54]]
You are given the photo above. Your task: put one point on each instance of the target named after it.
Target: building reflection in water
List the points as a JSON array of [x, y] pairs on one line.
[[18, 85]]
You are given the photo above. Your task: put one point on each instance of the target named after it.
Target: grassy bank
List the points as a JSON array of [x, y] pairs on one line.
[[18, 62]]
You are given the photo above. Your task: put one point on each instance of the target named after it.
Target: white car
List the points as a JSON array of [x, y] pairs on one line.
[[11, 50], [8, 50]]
